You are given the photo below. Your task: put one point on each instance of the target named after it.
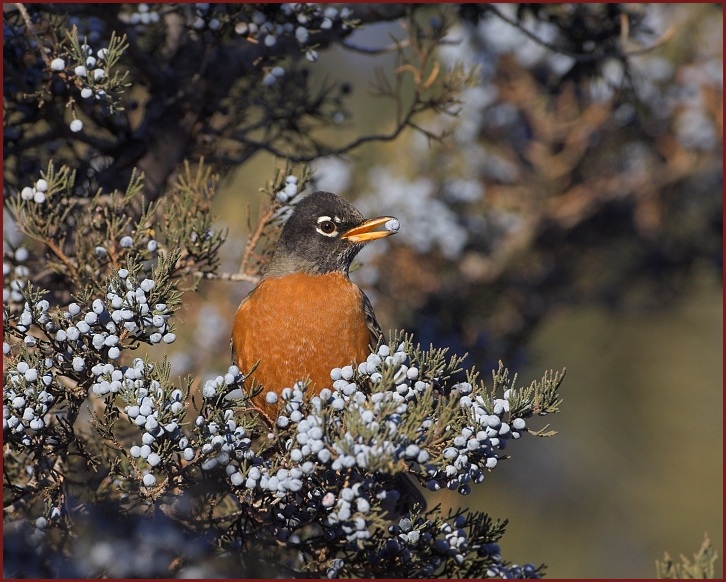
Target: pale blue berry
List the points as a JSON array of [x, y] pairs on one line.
[[392, 225], [78, 364], [347, 372]]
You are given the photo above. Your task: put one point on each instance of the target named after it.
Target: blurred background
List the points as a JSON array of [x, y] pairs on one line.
[[556, 227]]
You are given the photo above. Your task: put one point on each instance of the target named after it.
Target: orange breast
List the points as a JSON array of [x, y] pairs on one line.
[[299, 327]]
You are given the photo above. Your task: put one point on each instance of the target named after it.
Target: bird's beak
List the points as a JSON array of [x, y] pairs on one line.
[[366, 232]]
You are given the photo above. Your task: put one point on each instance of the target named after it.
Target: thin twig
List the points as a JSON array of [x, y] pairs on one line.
[[57, 251], [31, 29], [320, 151], [228, 277], [255, 236], [580, 57]]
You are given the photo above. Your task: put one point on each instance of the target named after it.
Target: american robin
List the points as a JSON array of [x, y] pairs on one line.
[[306, 316]]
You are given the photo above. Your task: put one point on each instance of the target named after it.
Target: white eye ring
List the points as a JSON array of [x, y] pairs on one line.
[[325, 224]]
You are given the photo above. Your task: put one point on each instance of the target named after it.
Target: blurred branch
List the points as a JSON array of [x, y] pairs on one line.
[[228, 277], [31, 27], [581, 57], [392, 48]]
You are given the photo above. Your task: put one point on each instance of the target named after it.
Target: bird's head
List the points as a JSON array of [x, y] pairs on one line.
[[324, 234]]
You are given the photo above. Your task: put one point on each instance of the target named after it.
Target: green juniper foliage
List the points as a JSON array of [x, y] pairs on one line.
[[702, 566], [315, 492]]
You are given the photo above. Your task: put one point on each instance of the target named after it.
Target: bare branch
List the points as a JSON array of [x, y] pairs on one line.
[[580, 57], [31, 28]]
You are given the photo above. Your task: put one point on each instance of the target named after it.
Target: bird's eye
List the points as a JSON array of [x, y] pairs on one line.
[[327, 227]]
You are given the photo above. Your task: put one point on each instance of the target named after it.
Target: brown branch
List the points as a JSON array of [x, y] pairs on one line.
[[321, 150], [56, 250], [255, 236], [254, 279]]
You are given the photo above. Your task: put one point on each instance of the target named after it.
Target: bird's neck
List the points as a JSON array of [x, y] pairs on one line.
[[282, 265]]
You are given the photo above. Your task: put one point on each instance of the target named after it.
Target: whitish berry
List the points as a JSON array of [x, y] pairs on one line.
[[393, 225], [76, 125], [57, 64]]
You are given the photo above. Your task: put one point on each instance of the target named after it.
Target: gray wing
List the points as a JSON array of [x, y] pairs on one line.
[[373, 326]]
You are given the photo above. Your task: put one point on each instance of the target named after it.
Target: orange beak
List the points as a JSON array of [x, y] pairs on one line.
[[366, 232]]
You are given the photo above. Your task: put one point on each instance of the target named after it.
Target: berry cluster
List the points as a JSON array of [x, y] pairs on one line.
[[475, 448], [15, 273], [220, 441], [79, 339], [154, 408], [37, 193], [425, 545], [88, 73], [266, 26], [133, 307], [142, 14], [340, 451], [289, 191], [336, 442], [28, 395], [84, 336]]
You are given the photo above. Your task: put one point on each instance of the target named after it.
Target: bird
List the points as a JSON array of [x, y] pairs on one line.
[[305, 316]]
